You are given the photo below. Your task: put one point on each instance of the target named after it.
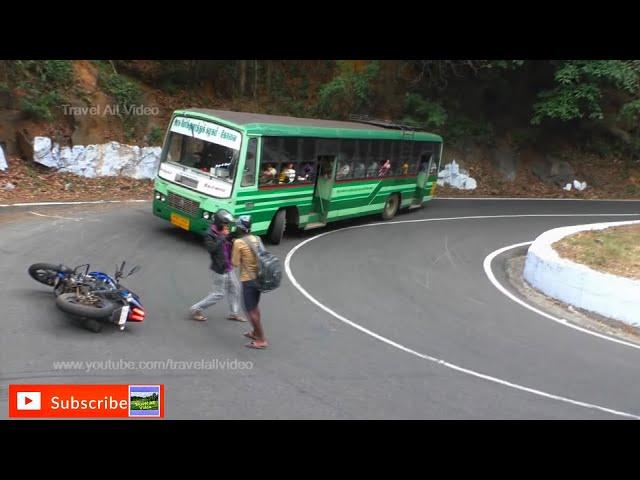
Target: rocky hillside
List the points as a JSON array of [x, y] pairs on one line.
[[82, 106]]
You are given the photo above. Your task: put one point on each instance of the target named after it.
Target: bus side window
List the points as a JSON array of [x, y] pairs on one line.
[[325, 166], [396, 167], [360, 160], [306, 166], [345, 159], [373, 159], [413, 159], [269, 158], [372, 168], [249, 174], [413, 166]]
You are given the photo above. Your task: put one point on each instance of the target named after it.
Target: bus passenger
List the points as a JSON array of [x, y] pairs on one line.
[[343, 172], [307, 172], [268, 176], [385, 168], [359, 170], [288, 175]]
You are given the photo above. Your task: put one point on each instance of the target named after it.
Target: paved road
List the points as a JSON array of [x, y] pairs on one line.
[[420, 284]]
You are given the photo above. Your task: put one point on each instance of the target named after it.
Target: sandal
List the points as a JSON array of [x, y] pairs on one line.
[[198, 315], [250, 335], [236, 318], [255, 345]]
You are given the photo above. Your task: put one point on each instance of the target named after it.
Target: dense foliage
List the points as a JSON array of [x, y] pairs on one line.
[[464, 99]]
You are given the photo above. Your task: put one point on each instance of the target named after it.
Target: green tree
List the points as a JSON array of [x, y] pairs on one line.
[[350, 90], [43, 84], [580, 88], [423, 112]]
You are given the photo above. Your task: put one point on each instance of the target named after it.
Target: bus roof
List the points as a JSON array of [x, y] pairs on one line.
[[278, 125]]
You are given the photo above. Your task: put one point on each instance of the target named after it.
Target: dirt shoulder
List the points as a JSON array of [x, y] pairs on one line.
[[605, 178], [35, 183]]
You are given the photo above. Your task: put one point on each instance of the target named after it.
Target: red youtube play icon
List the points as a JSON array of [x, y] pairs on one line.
[[28, 400]]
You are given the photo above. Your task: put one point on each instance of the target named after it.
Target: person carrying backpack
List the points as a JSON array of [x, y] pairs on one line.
[[225, 281], [245, 255]]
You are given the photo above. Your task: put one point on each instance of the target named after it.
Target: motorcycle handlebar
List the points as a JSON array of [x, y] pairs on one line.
[[75, 270]]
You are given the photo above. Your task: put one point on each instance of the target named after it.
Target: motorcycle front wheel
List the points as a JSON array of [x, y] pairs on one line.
[[70, 303]]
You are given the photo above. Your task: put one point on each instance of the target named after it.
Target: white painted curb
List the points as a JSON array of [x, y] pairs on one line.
[[578, 285]]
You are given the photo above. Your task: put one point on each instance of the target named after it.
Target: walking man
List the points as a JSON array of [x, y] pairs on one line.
[[244, 257], [225, 281]]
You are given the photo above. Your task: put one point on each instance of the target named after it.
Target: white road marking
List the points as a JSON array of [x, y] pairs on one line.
[[543, 199], [43, 204], [55, 216], [444, 363]]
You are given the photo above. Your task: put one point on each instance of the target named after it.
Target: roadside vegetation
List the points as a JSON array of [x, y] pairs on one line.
[[613, 250]]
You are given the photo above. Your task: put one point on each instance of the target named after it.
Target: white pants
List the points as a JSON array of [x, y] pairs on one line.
[[223, 284]]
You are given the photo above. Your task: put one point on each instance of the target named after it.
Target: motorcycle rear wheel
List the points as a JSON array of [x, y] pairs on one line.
[[69, 303]]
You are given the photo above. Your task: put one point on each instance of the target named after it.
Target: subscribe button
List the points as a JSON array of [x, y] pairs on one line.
[[86, 401]]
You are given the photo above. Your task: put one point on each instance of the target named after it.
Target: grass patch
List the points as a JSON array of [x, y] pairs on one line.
[[613, 250], [155, 135], [632, 189]]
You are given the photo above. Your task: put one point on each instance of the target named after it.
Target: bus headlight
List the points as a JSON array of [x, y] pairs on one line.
[[163, 198], [206, 215], [158, 196]]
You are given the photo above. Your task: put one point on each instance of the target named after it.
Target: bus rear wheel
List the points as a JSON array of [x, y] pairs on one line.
[[276, 229], [391, 207]]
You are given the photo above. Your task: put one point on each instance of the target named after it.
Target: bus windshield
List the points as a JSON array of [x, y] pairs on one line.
[[206, 150]]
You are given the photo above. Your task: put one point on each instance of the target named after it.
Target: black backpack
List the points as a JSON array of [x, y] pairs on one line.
[[215, 246], [269, 267]]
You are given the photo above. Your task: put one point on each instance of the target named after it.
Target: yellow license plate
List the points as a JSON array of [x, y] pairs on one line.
[[180, 221]]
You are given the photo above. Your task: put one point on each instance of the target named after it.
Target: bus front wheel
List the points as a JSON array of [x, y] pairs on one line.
[[276, 229], [391, 207]]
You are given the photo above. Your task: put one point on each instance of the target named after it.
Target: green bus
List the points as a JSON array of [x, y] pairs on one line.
[[288, 172]]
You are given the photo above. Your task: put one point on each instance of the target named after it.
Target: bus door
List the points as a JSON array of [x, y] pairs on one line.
[[324, 186], [425, 166]]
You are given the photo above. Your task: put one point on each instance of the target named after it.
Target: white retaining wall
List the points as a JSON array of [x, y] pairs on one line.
[[578, 285]]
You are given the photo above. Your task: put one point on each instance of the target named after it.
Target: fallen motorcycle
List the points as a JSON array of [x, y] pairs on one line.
[[95, 297]]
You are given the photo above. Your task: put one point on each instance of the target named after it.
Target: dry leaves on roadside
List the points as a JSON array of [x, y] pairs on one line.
[[33, 182]]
